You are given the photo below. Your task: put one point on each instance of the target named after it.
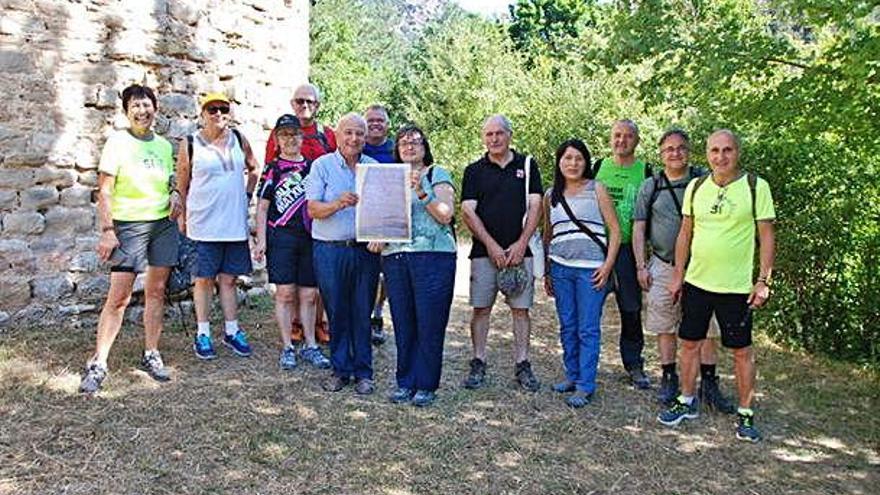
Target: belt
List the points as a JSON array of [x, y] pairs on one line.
[[668, 262], [346, 243]]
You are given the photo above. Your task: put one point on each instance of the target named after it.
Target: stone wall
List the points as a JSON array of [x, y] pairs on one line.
[[64, 64]]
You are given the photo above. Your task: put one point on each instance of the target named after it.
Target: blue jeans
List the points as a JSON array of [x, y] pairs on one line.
[[346, 276], [419, 287], [579, 307]]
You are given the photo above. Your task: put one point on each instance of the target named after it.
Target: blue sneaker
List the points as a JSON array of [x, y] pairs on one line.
[[238, 343], [678, 412], [315, 357], [423, 398], [745, 428], [204, 348], [287, 360]]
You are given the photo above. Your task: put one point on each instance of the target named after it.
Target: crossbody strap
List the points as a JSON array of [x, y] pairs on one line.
[[586, 230]]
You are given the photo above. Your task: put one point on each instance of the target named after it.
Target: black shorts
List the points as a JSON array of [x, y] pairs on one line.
[[289, 258], [732, 311]]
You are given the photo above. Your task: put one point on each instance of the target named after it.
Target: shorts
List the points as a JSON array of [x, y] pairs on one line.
[[663, 315], [227, 257], [289, 258], [484, 285], [732, 310], [627, 291], [142, 244]]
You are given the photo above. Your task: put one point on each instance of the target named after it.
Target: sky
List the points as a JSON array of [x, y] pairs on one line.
[[485, 7]]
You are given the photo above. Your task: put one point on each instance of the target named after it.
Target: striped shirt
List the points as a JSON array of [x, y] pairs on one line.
[[570, 246]]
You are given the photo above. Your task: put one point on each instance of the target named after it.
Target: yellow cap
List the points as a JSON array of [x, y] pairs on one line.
[[208, 98]]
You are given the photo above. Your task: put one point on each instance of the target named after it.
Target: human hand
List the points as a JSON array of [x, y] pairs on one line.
[[175, 205], [645, 279], [601, 275], [497, 255], [548, 286], [759, 294], [259, 249], [516, 252], [347, 199], [674, 287], [375, 247], [106, 244]]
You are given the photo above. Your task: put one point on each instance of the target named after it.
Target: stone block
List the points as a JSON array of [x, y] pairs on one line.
[[65, 221], [8, 199], [86, 262], [86, 242], [4, 319], [77, 309], [35, 315], [39, 197], [13, 178], [15, 62], [178, 103], [93, 287], [15, 291], [89, 178], [51, 176], [52, 288], [107, 98], [18, 158], [77, 195], [16, 255], [23, 223]]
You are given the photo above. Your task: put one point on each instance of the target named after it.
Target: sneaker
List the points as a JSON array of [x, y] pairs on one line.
[[423, 398], [297, 333], [578, 399], [668, 389], [639, 379], [322, 333], [477, 374], [204, 347], [334, 383], [238, 343], [711, 395], [745, 428], [364, 386], [287, 359], [315, 356], [93, 378], [525, 377], [401, 395], [679, 411], [153, 365], [564, 387], [376, 325]]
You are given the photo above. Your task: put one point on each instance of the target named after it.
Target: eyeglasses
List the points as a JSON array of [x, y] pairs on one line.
[[673, 149], [412, 142], [719, 201], [305, 101], [212, 109]]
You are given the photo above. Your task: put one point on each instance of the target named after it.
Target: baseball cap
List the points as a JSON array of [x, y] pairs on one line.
[[287, 120], [208, 98]]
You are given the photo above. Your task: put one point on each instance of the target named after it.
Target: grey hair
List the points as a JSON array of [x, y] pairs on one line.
[[726, 132], [501, 119], [629, 123], [354, 117], [675, 132], [378, 107], [311, 87]]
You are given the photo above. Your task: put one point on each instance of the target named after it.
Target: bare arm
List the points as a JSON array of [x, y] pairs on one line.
[[184, 169], [609, 216], [640, 252], [682, 253], [262, 214], [107, 242], [442, 207], [253, 167], [767, 254]]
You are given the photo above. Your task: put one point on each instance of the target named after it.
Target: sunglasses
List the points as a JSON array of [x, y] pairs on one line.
[[212, 109], [304, 101], [719, 201]]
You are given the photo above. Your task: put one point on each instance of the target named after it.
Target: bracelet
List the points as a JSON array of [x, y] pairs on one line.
[[107, 228], [426, 198]]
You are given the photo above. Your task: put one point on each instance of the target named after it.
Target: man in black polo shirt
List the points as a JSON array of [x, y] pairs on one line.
[[493, 204]]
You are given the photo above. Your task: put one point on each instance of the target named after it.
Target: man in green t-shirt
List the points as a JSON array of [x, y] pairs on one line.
[[720, 219], [622, 175]]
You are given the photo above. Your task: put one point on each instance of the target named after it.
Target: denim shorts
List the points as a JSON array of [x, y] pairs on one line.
[[289, 258], [142, 244], [227, 257]]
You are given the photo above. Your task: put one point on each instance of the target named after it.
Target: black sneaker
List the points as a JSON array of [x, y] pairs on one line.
[[745, 428], [711, 395], [93, 378], [525, 377], [477, 374], [639, 379], [376, 327], [668, 389]]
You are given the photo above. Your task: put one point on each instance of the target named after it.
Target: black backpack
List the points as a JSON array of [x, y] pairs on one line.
[[662, 183]]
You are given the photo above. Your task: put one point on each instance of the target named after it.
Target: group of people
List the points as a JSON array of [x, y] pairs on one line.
[[683, 235]]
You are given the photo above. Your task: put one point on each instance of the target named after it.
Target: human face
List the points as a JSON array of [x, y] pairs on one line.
[[496, 138], [289, 141], [377, 126], [674, 152], [217, 114], [351, 137], [141, 114], [572, 164], [722, 154], [305, 105], [411, 148], [623, 140]]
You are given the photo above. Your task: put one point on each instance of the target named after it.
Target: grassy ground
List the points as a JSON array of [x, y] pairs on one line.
[[241, 426]]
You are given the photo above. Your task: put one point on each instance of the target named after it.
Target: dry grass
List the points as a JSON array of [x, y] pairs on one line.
[[242, 426]]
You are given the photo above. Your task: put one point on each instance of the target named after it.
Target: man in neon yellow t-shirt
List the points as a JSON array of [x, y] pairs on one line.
[[720, 219]]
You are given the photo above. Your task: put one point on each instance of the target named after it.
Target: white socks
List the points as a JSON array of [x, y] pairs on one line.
[[231, 327], [205, 328]]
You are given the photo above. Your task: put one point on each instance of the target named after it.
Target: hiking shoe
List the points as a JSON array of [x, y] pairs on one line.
[[679, 411], [639, 379], [315, 357], [203, 346], [423, 398], [153, 365], [745, 428], [297, 333], [287, 359], [322, 333], [364, 386], [401, 395], [376, 325], [334, 383], [477, 374], [238, 343], [711, 395], [668, 389], [578, 399], [93, 378], [564, 387], [525, 377]]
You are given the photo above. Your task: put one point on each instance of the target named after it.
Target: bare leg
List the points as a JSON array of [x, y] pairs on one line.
[[690, 366], [744, 367], [522, 326], [666, 344], [154, 305], [308, 298], [284, 302], [111, 314], [203, 291], [709, 351], [480, 331], [228, 298]]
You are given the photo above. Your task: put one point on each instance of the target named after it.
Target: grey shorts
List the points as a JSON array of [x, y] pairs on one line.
[[143, 244], [484, 285]]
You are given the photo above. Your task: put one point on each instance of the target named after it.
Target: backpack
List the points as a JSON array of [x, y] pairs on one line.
[[753, 183], [430, 177], [598, 164], [659, 179]]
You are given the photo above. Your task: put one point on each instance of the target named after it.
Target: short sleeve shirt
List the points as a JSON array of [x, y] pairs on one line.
[[428, 235], [623, 185], [723, 245], [284, 186], [665, 212], [328, 179], [501, 198], [141, 170]]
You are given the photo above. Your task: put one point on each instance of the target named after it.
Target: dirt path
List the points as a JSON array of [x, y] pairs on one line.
[[242, 426]]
